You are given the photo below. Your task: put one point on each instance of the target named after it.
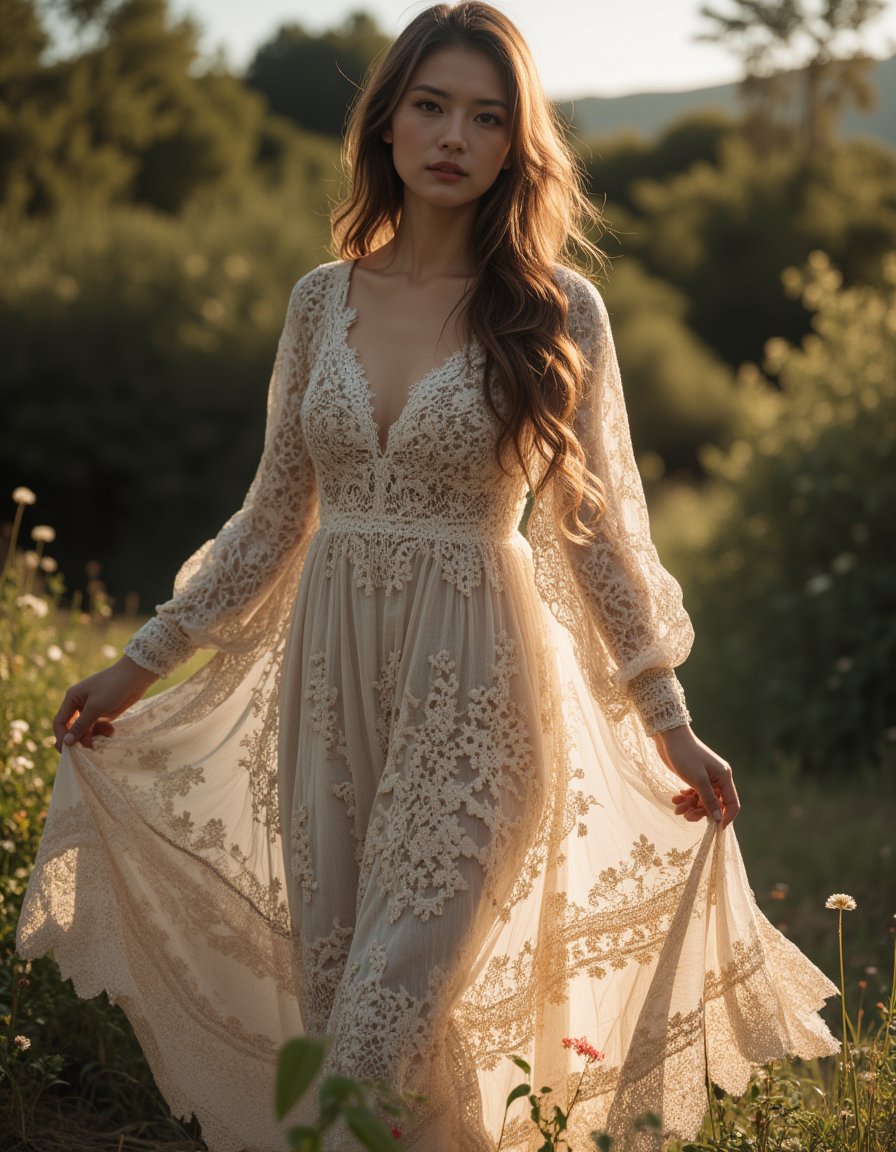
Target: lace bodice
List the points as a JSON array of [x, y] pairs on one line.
[[436, 486]]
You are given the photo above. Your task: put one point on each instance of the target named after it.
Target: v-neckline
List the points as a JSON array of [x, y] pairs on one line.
[[382, 448]]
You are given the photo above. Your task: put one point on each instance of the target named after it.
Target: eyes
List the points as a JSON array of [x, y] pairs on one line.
[[489, 119]]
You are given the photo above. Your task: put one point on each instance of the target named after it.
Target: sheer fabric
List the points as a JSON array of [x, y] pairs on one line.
[[411, 801]]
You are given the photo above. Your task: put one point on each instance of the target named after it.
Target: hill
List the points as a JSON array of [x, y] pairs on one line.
[[650, 113]]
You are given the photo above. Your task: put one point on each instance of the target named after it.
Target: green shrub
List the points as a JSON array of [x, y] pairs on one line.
[[137, 350], [793, 580]]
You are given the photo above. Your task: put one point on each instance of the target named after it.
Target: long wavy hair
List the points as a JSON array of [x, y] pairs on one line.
[[534, 215]]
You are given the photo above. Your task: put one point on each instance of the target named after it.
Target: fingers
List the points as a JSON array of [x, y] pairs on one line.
[[82, 729], [70, 707], [729, 796], [689, 803], [86, 723]]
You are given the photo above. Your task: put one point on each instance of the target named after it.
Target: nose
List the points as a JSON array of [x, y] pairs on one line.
[[452, 135]]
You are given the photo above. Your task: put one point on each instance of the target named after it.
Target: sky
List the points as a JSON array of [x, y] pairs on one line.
[[583, 47]]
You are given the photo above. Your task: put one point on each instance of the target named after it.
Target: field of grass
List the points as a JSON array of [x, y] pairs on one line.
[[73, 1079]]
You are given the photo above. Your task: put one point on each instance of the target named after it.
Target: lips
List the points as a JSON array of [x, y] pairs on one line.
[[447, 167]]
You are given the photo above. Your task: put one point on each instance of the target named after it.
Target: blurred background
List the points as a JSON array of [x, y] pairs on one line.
[[166, 172], [157, 202]]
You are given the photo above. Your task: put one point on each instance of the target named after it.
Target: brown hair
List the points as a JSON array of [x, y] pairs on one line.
[[531, 216]]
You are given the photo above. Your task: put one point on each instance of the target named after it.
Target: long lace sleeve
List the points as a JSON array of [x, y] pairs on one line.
[[220, 592], [623, 609]]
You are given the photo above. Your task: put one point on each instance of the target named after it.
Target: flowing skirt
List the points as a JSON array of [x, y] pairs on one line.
[[409, 826]]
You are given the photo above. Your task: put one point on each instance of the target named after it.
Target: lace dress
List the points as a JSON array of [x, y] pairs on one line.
[[411, 801]]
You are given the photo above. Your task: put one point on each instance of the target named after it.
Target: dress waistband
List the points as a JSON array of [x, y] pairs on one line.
[[418, 528]]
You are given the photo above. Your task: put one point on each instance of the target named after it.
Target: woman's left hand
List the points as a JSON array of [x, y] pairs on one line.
[[710, 790]]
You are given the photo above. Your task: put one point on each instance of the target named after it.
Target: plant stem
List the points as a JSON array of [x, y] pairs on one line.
[[11, 549], [708, 1081], [891, 1007], [844, 1063]]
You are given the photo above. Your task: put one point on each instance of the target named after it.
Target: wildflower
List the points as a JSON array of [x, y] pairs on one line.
[[32, 561], [48, 564], [43, 534], [780, 891], [55, 653], [583, 1047], [7, 845], [22, 1043], [33, 604], [396, 1132], [38, 782], [23, 495], [17, 730], [840, 902], [108, 652]]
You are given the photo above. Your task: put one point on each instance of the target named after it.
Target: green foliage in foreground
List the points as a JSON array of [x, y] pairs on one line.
[[790, 568]]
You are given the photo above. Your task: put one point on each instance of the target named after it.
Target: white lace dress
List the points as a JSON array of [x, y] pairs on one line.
[[411, 801]]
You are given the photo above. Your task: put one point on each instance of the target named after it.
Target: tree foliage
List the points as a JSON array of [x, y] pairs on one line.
[[723, 233], [312, 79], [798, 54], [126, 120], [680, 395]]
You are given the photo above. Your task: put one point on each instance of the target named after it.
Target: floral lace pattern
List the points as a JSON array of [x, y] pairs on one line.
[[453, 764], [411, 800], [323, 964]]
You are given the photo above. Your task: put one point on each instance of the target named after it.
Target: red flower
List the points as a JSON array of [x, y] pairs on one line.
[[583, 1047], [396, 1133]]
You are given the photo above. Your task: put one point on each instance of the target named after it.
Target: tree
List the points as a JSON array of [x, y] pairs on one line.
[[126, 118], [794, 54], [313, 79], [723, 233]]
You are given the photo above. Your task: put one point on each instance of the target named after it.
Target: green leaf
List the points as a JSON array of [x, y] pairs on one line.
[[303, 1139], [299, 1062], [602, 1141], [521, 1063], [338, 1087], [370, 1131], [520, 1090]]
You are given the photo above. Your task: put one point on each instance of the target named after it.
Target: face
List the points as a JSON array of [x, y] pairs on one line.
[[451, 131]]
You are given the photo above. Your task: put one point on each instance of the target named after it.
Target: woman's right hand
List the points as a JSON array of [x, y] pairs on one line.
[[89, 707]]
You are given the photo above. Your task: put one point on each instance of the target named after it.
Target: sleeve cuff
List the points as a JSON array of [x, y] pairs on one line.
[[658, 697], [159, 646]]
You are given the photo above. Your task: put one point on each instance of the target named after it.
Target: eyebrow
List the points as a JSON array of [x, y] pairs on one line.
[[433, 91]]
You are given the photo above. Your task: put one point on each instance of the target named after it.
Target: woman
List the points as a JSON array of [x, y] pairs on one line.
[[437, 794]]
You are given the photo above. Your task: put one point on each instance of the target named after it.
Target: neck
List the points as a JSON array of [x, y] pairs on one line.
[[431, 242]]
